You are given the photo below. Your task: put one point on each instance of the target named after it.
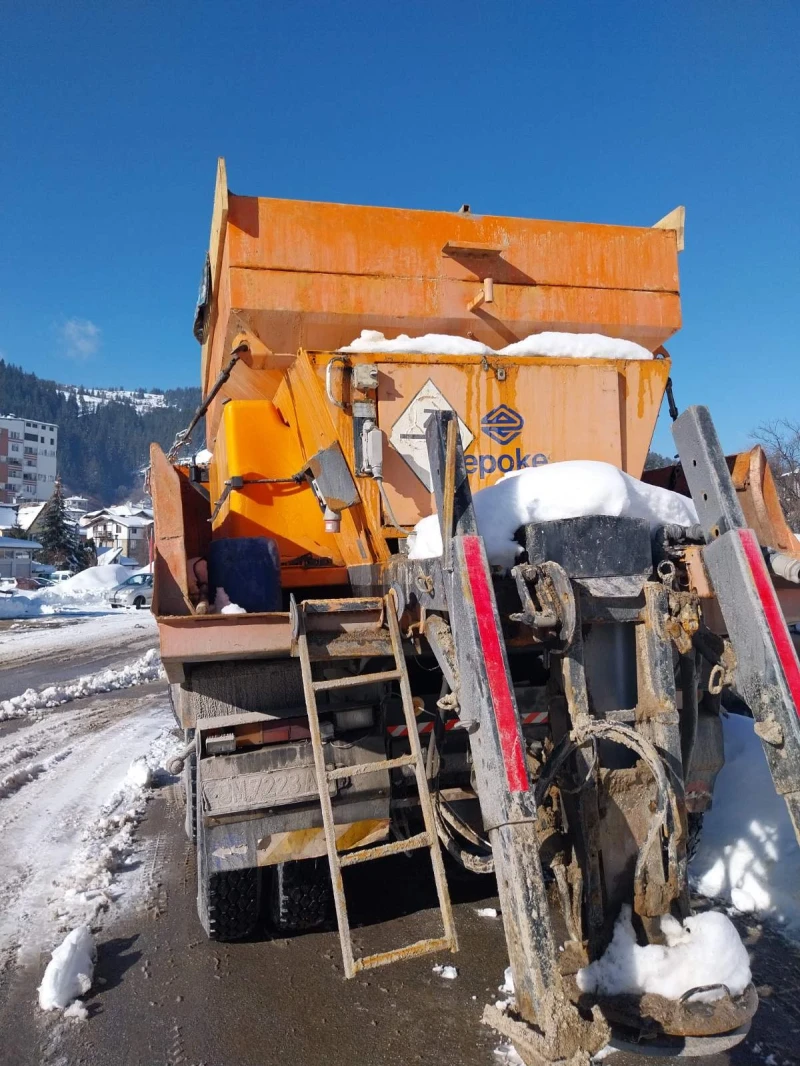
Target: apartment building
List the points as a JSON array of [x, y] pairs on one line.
[[28, 452]]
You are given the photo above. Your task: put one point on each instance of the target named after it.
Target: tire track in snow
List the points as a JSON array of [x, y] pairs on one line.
[[44, 822], [15, 780]]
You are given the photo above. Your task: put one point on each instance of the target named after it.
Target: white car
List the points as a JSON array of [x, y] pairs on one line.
[[137, 592], [60, 575]]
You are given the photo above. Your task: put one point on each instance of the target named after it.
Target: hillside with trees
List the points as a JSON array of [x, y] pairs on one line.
[[101, 448]]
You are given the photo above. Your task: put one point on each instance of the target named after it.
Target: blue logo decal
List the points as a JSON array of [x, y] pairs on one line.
[[502, 424]]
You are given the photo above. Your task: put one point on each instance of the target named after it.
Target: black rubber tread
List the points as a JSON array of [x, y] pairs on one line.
[[232, 903], [300, 895], [190, 790], [695, 827], [139, 602]]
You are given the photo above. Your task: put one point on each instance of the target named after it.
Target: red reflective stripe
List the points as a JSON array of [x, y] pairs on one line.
[[773, 614], [535, 719], [499, 689]]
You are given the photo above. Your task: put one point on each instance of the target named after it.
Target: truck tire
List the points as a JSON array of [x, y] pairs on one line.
[[695, 832], [229, 903], [299, 895], [190, 790]]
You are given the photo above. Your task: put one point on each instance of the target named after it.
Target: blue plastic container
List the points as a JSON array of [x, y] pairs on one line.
[[249, 569]]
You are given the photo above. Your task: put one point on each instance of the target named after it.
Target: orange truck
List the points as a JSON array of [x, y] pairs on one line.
[[557, 725]]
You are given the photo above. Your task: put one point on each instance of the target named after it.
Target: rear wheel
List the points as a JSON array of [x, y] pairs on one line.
[[299, 895], [695, 827], [190, 789], [229, 903]]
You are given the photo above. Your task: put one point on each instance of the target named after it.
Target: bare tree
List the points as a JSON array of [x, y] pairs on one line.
[[781, 441]]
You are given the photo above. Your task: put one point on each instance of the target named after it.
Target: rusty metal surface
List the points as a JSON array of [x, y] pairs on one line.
[[652, 1014], [203, 638]]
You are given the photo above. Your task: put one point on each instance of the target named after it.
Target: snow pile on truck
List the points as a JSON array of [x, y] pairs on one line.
[[705, 950], [548, 344], [572, 489]]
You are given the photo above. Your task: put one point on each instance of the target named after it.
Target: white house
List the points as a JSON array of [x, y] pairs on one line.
[[126, 526]]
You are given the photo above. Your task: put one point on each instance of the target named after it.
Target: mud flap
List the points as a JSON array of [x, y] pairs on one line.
[[767, 667]]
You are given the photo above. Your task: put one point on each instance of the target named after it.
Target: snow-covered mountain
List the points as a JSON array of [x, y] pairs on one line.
[[91, 399]]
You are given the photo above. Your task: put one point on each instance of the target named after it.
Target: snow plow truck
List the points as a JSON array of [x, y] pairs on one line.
[[555, 722]]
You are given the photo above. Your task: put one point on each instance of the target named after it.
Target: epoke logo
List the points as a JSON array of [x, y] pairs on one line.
[[502, 424]]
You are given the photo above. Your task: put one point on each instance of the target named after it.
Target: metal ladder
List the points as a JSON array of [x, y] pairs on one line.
[[306, 612]]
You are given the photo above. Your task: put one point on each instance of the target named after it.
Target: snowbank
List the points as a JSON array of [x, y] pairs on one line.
[[93, 579], [146, 668], [558, 490], [87, 589], [69, 972], [556, 345], [748, 855], [89, 883], [705, 950], [23, 607]]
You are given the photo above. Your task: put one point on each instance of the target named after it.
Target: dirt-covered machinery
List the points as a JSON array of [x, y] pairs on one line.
[[557, 724]]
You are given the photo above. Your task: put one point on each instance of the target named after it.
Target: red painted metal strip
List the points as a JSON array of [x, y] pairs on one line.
[[772, 611], [499, 688]]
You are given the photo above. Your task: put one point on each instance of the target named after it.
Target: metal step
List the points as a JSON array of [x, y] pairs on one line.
[[384, 611], [410, 951], [353, 680], [396, 847], [342, 772]]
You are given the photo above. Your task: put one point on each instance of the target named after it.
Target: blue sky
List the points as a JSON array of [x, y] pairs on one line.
[[113, 116]]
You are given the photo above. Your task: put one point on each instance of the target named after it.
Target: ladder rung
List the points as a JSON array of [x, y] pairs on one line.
[[350, 858], [356, 679], [369, 767], [352, 605], [410, 951]]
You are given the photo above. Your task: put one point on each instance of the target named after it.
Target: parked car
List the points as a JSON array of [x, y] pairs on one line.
[[136, 591], [60, 575]]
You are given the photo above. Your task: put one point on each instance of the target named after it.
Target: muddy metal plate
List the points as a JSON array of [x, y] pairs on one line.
[[267, 788]]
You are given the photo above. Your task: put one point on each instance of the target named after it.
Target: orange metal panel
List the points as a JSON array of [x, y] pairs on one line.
[[288, 309], [324, 238], [255, 442], [562, 402]]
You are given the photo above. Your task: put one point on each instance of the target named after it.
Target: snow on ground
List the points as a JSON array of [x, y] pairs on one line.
[[146, 668], [68, 830], [555, 345], [705, 950], [748, 855], [94, 398], [69, 973], [86, 591], [58, 636], [558, 490]]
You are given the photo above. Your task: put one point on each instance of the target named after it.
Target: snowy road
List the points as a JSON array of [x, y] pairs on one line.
[[60, 649], [165, 995]]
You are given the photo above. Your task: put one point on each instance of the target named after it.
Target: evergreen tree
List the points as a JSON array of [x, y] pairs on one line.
[[61, 543], [18, 532]]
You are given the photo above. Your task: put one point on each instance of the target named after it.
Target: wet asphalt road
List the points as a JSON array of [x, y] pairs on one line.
[[165, 996]]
